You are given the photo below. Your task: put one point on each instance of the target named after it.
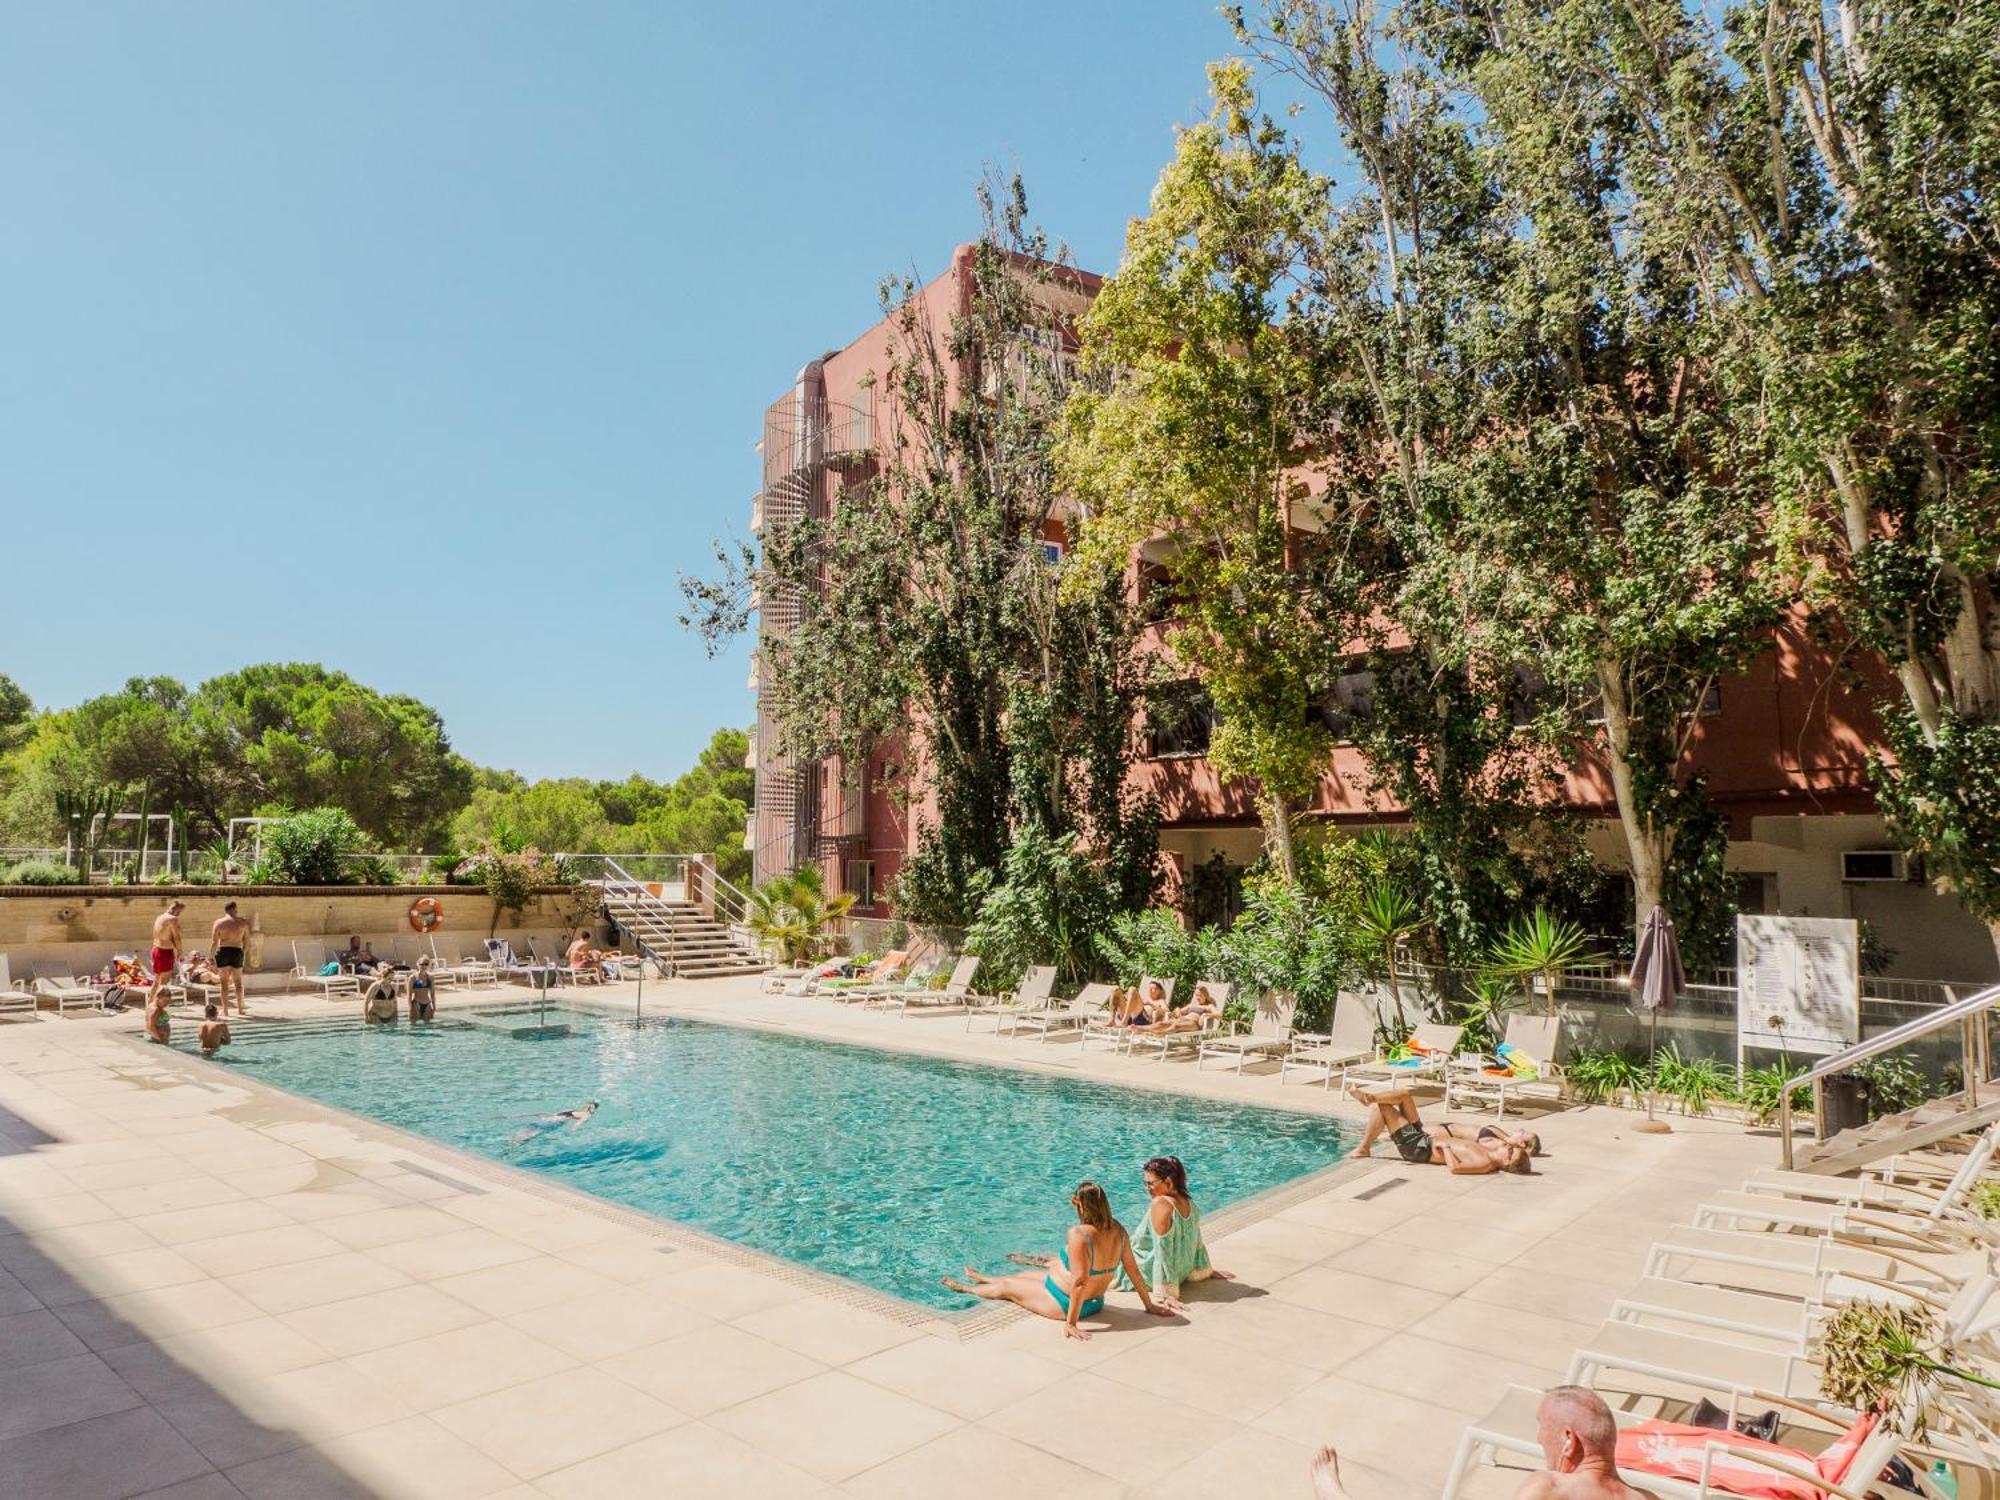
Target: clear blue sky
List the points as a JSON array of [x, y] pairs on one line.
[[429, 340]]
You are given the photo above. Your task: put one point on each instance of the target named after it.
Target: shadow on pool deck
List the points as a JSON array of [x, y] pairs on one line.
[[92, 1409]]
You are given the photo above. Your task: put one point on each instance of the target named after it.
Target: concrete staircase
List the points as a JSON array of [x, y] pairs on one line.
[[678, 935]]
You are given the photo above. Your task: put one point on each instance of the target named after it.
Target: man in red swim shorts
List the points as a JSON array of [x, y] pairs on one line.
[[167, 941]]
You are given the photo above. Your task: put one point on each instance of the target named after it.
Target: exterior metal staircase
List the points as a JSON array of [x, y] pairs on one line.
[[677, 935], [1975, 1106]]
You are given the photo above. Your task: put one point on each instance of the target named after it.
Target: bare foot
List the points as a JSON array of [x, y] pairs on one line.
[[1361, 1153], [958, 1286], [975, 1277], [1358, 1094], [1325, 1472], [1216, 1273]]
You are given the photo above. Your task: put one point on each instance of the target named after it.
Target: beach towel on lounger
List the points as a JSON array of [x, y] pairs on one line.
[[1677, 1451]]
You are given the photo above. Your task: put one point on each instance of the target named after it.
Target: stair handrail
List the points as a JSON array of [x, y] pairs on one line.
[[738, 911], [617, 877], [1959, 1011]]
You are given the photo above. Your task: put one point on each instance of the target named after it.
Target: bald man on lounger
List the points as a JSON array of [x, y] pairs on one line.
[[1579, 1442]]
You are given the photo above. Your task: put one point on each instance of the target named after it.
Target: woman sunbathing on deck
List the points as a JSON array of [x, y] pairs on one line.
[[1196, 1014], [1095, 1249], [1488, 1149]]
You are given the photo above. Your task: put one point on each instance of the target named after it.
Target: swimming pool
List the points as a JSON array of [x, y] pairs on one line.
[[882, 1167]]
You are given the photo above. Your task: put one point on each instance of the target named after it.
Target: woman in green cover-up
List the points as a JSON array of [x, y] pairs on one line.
[[1167, 1241]]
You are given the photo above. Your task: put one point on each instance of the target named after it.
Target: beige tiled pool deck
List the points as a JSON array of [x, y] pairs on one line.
[[210, 1291]]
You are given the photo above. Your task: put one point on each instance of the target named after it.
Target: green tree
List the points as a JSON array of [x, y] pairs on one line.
[[296, 734], [1192, 433], [930, 630], [1576, 484]]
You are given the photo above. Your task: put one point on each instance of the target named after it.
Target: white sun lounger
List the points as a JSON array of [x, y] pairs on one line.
[[1061, 1020], [957, 989], [1188, 1039], [1034, 990], [1440, 1043], [469, 970], [1539, 1040], [1270, 1033], [1511, 1428], [329, 985], [1351, 1041], [1103, 1029], [61, 986], [12, 999]]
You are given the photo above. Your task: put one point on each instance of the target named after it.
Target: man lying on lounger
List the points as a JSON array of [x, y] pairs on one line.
[[1470, 1154], [1579, 1438]]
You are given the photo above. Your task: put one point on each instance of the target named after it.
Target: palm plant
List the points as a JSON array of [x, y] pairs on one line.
[[1539, 946], [1388, 914], [1485, 1009], [793, 913]]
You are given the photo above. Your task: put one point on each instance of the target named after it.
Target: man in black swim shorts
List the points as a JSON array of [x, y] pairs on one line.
[[1393, 1112], [227, 939]]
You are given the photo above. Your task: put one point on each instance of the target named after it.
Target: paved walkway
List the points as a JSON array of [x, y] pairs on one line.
[[210, 1292]]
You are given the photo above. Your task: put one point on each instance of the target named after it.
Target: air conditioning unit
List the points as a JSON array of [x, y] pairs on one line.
[[1873, 866]]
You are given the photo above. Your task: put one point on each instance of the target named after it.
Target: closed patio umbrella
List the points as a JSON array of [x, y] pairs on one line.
[[1657, 981]]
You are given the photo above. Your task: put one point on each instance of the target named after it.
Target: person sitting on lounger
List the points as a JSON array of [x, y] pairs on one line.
[[584, 959], [1197, 1013], [1127, 1009], [1579, 1439], [358, 958], [1471, 1154], [1093, 1251]]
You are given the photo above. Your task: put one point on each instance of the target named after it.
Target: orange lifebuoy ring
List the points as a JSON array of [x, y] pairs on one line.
[[426, 914]]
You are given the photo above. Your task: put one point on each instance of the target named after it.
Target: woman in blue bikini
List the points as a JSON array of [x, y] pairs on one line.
[[1095, 1249]]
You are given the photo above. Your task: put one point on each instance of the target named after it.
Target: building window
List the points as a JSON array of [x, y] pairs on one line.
[[861, 881], [1052, 552], [1347, 708], [1159, 597], [1180, 717]]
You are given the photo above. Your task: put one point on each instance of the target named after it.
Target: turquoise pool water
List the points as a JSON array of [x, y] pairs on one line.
[[885, 1168]]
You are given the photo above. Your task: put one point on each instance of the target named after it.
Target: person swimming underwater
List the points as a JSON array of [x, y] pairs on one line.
[[541, 1125]]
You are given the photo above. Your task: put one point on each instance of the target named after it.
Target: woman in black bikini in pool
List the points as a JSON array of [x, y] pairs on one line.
[[1487, 1149]]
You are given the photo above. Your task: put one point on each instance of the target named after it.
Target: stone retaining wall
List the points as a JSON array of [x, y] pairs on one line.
[[82, 926]]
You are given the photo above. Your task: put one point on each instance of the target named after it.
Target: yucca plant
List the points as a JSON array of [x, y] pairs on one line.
[[793, 913], [1485, 1010], [1386, 916], [1538, 946]]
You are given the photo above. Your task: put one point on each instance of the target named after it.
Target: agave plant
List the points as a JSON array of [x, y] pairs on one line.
[[1386, 916], [1538, 947], [793, 913]]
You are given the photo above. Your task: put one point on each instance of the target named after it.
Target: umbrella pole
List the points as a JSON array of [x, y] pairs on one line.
[[1650, 1125]]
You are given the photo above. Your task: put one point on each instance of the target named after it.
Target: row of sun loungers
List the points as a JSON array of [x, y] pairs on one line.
[[1730, 1310], [1348, 1051]]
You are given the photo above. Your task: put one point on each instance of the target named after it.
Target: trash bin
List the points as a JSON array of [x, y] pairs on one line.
[[1846, 1101]]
